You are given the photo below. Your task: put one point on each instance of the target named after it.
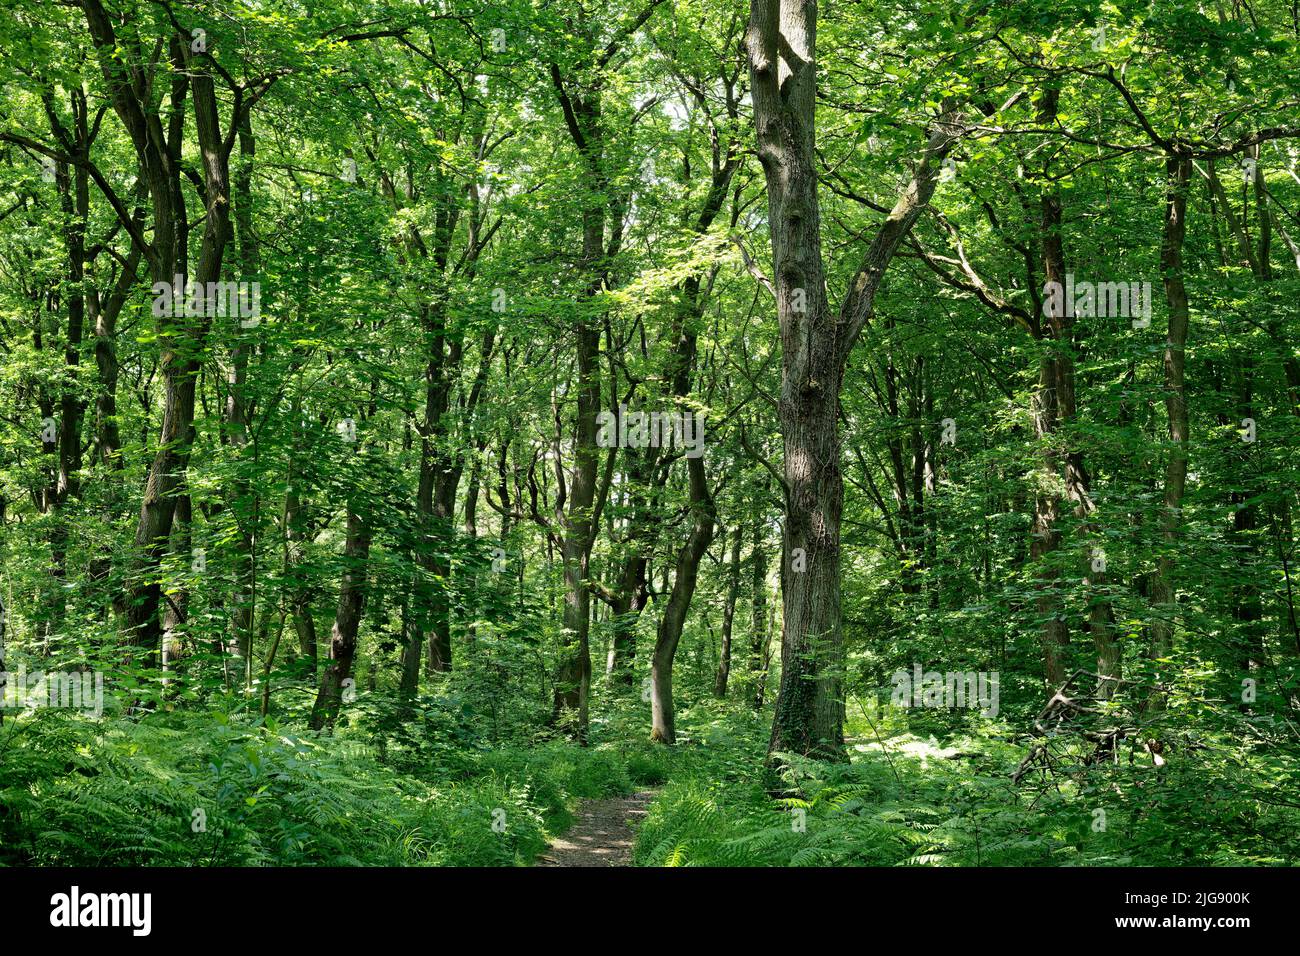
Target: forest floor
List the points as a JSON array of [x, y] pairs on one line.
[[602, 835]]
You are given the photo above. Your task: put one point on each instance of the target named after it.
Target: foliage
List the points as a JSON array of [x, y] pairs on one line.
[[364, 586]]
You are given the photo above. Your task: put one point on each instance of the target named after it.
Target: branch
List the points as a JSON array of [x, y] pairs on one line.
[[859, 303], [628, 29], [752, 268]]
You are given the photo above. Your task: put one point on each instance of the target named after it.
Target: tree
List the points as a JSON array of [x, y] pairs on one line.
[[816, 342]]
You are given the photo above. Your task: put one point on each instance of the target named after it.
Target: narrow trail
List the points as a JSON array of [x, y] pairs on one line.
[[602, 834]]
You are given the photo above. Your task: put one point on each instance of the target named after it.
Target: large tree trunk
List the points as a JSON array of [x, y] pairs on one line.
[[439, 480], [810, 711], [815, 346], [582, 107], [158, 509], [1178, 172], [809, 714], [182, 339], [573, 676]]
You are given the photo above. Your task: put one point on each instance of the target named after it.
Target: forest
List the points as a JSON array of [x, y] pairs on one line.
[[644, 433]]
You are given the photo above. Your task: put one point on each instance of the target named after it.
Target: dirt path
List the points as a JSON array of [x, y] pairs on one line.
[[602, 834]]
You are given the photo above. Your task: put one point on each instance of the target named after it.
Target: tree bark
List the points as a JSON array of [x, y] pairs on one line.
[[1055, 371], [815, 345], [728, 616], [242, 498], [182, 339], [347, 620], [1177, 172], [759, 635], [663, 726]]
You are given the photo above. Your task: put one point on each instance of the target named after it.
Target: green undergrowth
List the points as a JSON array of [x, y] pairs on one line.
[[207, 789], [423, 786], [908, 800]]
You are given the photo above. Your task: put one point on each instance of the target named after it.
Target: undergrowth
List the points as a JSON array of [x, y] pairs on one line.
[[193, 789], [420, 787], [909, 801]]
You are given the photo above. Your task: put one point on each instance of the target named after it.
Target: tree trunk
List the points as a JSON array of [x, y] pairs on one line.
[[632, 592], [177, 608], [347, 620], [759, 635], [182, 339], [104, 315], [1054, 636], [434, 503], [296, 534], [815, 346], [242, 499], [663, 728], [1178, 172], [573, 676], [728, 616]]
